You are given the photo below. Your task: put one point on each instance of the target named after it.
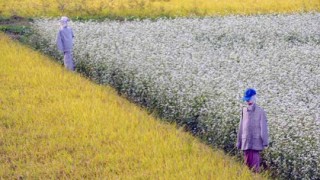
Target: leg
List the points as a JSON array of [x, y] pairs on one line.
[[256, 161], [68, 60], [252, 159], [247, 157]]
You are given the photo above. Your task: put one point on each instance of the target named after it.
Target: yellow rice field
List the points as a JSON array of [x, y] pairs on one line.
[[57, 124], [151, 8]]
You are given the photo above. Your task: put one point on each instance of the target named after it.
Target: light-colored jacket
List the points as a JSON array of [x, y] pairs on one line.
[[253, 129], [65, 39]]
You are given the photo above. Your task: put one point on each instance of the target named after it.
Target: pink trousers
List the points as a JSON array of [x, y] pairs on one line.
[[252, 159]]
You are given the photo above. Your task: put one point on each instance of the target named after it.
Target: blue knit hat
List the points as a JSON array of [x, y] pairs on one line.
[[248, 94]]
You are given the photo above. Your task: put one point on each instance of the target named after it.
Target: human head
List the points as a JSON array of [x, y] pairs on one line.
[[64, 21], [250, 95]]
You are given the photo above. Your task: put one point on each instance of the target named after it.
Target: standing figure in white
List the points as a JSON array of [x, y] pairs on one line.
[[65, 42]]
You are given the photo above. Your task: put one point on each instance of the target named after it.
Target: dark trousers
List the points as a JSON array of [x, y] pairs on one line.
[[252, 159]]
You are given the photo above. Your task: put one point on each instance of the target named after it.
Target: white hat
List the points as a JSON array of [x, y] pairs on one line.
[[64, 19]]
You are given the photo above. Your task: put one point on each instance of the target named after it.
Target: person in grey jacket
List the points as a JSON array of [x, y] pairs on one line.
[[65, 43], [253, 134]]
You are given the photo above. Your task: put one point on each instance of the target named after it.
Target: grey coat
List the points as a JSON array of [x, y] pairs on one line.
[[253, 129], [65, 39]]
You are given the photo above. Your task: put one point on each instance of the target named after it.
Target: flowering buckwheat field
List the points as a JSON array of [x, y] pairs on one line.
[[55, 124], [195, 71]]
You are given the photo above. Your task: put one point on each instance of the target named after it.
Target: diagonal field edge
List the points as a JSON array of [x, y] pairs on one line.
[[56, 124]]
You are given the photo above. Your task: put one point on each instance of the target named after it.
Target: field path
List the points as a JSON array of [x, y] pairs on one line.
[[57, 124]]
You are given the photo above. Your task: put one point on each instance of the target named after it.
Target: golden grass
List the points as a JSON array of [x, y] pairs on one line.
[[57, 124], [152, 8]]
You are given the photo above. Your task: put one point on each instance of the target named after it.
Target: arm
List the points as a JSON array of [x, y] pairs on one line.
[[239, 136], [72, 33], [72, 37], [59, 42], [264, 129]]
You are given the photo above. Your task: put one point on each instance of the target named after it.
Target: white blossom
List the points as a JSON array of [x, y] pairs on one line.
[[201, 66]]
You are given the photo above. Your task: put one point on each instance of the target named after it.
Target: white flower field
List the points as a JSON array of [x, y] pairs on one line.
[[195, 70]]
